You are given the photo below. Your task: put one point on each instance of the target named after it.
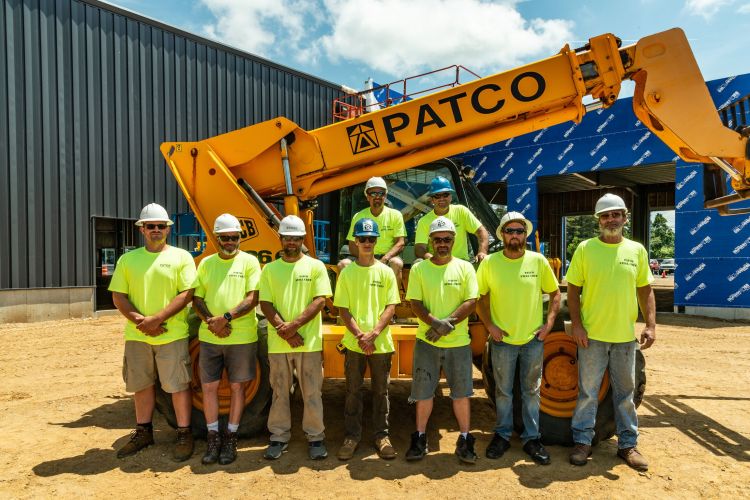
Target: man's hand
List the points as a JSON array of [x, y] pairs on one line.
[[581, 336], [295, 340], [442, 326], [432, 335], [542, 332], [151, 326], [287, 330], [648, 336], [479, 257], [366, 342], [497, 333], [217, 324], [385, 259]]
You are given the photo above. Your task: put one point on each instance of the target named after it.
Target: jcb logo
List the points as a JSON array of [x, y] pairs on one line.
[[362, 137], [248, 229]]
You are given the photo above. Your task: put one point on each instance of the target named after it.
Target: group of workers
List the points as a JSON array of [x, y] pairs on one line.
[[608, 280]]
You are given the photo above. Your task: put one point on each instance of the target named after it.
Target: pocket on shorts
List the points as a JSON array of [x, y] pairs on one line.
[[125, 369], [185, 371]]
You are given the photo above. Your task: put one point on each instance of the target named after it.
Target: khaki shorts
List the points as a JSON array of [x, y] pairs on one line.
[[143, 363]]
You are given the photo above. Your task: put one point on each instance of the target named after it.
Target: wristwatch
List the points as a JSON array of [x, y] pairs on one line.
[[228, 316]]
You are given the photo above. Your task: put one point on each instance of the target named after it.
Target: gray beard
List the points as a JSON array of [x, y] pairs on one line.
[[612, 233], [230, 254]]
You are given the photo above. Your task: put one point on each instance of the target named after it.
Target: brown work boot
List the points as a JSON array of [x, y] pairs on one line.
[[347, 449], [580, 454], [633, 458], [385, 448], [183, 447], [140, 438]]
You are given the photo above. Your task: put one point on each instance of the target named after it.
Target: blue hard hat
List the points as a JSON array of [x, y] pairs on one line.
[[366, 227], [440, 185]]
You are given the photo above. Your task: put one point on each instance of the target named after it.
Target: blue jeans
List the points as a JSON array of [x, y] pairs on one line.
[[592, 361], [504, 359]]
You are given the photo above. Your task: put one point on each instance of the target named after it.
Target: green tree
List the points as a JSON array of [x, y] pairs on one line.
[[583, 227], [662, 239]]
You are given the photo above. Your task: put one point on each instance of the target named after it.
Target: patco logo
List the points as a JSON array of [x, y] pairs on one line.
[[726, 82], [566, 167], [533, 157], [744, 288], [605, 123], [640, 160], [687, 198], [687, 179], [697, 289], [739, 227], [536, 171], [598, 147], [505, 177], [601, 162], [702, 223], [700, 245], [744, 267], [540, 134], [732, 97], [565, 151], [523, 195], [700, 267], [741, 246], [640, 141], [506, 160], [570, 130]]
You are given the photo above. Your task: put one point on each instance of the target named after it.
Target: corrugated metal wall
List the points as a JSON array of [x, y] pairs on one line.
[[87, 93]]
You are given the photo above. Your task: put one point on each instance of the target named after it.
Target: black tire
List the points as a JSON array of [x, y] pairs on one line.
[[255, 414], [556, 430]]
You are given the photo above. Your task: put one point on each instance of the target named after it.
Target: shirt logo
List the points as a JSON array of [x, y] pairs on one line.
[[377, 283], [451, 282], [303, 278], [529, 274], [627, 261]]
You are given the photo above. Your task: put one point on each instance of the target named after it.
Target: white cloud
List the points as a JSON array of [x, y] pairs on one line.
[[399, 37], [705, 8], [744, 9]]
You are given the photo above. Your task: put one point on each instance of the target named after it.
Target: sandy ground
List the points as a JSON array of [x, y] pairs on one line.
[[64, 412]]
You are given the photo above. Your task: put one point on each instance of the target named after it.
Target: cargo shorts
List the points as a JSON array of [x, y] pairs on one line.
[[238, 359], [456, 362], [143, 363]]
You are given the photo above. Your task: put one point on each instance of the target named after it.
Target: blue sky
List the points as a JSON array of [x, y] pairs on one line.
[[349, 41]]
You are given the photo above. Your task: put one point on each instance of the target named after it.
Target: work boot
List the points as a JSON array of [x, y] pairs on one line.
[[418, 448], [213, 445], [140, 438], [183, 447], [275, 450], [580, 454], [385, 448], [228, 448], [633, 458], [317, 450], [497, 447], [465, 449], [347, 449], [535, 449]]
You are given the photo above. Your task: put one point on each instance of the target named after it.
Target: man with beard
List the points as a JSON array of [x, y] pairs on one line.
[[293, 290], [511, 284], [390, 222], [151, 287], [614, 274], [226, 293], [443, 293], [441, 195]]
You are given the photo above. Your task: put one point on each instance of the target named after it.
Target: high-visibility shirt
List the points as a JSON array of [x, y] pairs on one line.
[[465, 223], [390, 224]]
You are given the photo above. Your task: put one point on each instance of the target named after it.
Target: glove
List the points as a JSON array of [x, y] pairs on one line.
[[442, 326], [432, 335]]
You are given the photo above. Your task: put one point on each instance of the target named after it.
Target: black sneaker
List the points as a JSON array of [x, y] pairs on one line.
[[228, 448], [497, 447], [418, 448], [274, 450], [535, 449], [465, 449], [213, 445]]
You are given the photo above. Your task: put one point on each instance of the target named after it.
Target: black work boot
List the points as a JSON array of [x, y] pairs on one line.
[[228, 448], [183, 446], [418, 448], [213, 445], [497, 447], [465, 449], [535, 449], [140, 438]]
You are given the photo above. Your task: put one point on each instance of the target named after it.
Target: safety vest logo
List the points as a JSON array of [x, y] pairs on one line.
[[362, 137]]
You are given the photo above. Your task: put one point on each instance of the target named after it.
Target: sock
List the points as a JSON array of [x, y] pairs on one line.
[[148, 426], [233, 427], [213, 426], [464, 434], [421, 434]]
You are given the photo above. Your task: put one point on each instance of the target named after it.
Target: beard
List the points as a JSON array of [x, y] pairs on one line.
[[228, 253], [514, 246], [612, 232], [442, 252], [291, 252]]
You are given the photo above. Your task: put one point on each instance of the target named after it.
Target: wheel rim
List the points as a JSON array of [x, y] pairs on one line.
[[559, 388], [225, 393]]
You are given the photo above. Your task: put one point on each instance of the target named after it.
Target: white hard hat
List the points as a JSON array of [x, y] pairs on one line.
[[609, 202], [291, 225], [227, 223], [153, 212], [513, 217], [373, 182], [442, 224]]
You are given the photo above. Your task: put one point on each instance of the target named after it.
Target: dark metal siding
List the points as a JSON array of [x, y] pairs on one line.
[[87, 93]]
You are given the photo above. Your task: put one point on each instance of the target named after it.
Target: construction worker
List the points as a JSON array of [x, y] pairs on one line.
[[151, 287], [226, 293], [443, 293], [511, 285], [293, 290], [614, 274], [391, 223], [441, 195], [366, 295]]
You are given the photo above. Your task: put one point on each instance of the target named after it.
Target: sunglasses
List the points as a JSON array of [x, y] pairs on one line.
[[229, 238], [367, 239], [295, 239], [447, 239], [155, 226], [437, 196], [514, 230], [376, 194]]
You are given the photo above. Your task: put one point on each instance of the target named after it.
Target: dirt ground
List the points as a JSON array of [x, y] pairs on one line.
[[63, 412]]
